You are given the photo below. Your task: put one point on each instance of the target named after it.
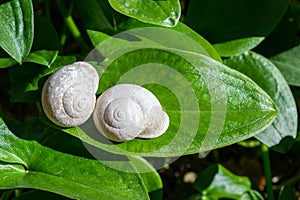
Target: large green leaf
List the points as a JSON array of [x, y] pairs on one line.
[[25, 79], [165, 13], [285, 35], [27, 164], [217, 182], [224, 20], [203, 98], [236, 47], [167, 37], [16, 25], [35, 129], [288, 63], [268, 77]]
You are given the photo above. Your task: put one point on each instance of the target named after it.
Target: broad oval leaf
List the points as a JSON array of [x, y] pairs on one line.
[[16, 25], [236, 47], [203, 98], [268, 77], [223, 20], [217, 182], [164, 13], [43, 168], [288, 63]]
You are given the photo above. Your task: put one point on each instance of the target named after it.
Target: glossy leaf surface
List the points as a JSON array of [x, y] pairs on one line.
[[164, 13], [236, 47], [217, 182], [16, 25], [201, 96], [27, 164], [268, 77], [288, 63]]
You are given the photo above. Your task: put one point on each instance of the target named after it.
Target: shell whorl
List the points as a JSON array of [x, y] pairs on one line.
[[126, 111], [68, 96]]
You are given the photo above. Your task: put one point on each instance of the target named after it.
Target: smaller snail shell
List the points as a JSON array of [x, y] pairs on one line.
[[68, 96], [127, 111]]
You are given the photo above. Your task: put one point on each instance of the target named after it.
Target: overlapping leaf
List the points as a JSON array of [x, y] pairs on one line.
[[223, 20], [30, 165], [165, 13], [288, 63], [201, 96], [217, 182], [16, 25], [236, 47], [268, 77]]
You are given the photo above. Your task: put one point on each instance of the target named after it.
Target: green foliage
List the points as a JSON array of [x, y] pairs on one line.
[[287, 192], [28, 164], [288, 63], [164, 13], [211, 102], [236, 47], [223, 20], [16, 28], [268, 77], [217, 182]]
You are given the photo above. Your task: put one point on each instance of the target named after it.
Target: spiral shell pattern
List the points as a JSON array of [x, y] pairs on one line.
[[68, 96], [127, 111]]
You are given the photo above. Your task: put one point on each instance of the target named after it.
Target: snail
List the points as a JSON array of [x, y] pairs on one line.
[[68, 96], [126, 111]]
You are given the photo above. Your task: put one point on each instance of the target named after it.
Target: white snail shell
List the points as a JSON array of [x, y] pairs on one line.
[[126, 111], [68, 96]]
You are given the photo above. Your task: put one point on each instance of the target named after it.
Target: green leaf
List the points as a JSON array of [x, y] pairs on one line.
[[150, 177], [225, 20], [201, 96], [42, 57], [7, 62], [158, 36], [165, 13], [268, 77], [97, 37], [285, 35], [34, 166], [25, 79], [286, 192], [288, 64], [16, 25], [39, 194], [217, 182], [236, 47]]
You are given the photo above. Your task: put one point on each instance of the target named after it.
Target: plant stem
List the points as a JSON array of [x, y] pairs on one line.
[[71, 25], [47, 7], [268, 173]]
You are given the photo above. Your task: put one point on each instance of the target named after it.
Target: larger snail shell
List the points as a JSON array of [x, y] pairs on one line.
[[68, 96], [127, 111]]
